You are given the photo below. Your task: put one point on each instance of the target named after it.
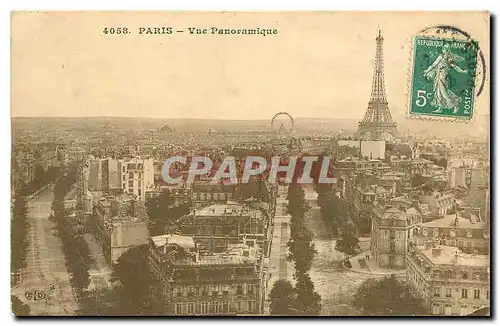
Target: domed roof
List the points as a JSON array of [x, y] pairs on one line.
[[166, 128]]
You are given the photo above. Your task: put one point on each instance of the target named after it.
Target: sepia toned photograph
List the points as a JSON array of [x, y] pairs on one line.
[[293, 163]]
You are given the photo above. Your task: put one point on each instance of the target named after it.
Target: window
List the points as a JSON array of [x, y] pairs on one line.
[[123, 177], [139, 192], [464, 293], [476, 294], [448, 293], [437, 292], [448, 274], [250, 288], [447, 309], [131, 175], [435, 308], [251, 306], [211, 307], [225, 290], [465, 275], [190, 308], [131, 183], [225, 306], [239, 290], [130, 191], [469, 234], [204, 308], [178, 308], [463, 310], [217, 307]]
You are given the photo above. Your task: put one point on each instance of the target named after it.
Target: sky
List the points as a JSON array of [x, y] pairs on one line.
[[320, 64]]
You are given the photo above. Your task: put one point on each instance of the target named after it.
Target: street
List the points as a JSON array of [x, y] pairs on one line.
[[279, 266], [45, 283]]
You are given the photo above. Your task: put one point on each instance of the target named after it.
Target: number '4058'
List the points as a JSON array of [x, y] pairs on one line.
[[115, 30]]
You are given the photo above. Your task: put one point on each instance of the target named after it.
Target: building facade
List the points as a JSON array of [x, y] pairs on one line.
[[392, 231], [137, 176], [217, 226], [451, 282], [118, 225], [185, 282], [462, 230]]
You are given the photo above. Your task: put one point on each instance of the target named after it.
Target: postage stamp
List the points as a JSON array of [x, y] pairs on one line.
[[443, 77]]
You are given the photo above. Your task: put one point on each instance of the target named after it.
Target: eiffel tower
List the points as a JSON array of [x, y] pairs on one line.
[[377, 120]]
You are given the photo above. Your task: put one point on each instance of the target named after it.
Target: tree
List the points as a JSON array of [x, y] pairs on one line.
[[302, 251], [74, 246], [333, 214], [348, 242], [297, 205], [282, 298], [39, 177], [418, 180], [19, 229], [308, 301], [132, 270], [301, 248], [18, 307], [388, 297]]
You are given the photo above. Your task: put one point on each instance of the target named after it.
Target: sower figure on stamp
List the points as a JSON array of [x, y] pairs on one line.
[[444, 98]]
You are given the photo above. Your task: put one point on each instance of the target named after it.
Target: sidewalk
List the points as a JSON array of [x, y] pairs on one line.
[[369, 266]]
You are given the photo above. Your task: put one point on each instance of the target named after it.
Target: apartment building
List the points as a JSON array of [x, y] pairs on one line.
[[185, 282], [450, 281]]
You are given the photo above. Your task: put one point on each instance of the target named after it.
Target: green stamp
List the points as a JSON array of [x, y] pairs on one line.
[[443, 77]]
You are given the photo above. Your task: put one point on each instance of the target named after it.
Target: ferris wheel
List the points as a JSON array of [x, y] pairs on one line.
[[282, 124]]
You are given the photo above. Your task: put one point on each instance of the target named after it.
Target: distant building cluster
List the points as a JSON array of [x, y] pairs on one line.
[[429, 216]]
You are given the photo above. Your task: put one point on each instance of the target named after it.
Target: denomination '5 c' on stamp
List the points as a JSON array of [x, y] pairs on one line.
[[443, 77]]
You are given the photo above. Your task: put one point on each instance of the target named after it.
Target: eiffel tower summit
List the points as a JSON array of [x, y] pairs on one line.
[[377, 123]]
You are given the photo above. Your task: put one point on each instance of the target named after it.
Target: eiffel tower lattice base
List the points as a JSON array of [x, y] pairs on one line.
[[376, 131]]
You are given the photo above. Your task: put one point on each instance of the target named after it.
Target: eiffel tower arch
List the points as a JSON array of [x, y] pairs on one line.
[[377, 121]]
